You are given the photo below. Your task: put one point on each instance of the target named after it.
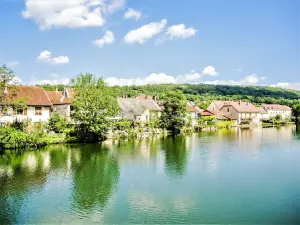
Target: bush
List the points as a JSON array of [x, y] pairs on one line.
[[57, 123], [11, 138]]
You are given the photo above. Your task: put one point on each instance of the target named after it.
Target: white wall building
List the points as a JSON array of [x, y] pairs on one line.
[[275, 109]]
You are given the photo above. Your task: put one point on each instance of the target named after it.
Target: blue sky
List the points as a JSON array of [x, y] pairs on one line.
[[153, 41]]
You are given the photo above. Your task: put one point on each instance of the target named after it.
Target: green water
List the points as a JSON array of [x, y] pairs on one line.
[[226, 177]]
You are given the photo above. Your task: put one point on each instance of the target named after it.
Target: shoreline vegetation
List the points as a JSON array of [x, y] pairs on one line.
[[95, 110]]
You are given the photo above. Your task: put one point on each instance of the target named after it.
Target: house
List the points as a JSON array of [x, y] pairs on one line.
[[218, 114], [193, 111], [140, 110], [275, 109], [36, 100], [61, 103], [243, 112], [217, 105]]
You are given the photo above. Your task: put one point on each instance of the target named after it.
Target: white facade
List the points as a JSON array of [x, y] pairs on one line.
[[31, 114], [284, 114]]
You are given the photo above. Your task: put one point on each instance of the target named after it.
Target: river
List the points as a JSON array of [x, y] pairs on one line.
[[249, 176]]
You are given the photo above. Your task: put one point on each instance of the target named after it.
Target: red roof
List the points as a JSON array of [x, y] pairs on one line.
[[57, 98], [243, 107], [33, 95], [219, 114], [276, 107]]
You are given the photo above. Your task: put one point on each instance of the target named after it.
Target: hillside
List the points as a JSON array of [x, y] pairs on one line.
[[209, 92]]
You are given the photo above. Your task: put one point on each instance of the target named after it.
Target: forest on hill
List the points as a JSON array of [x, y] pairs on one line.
[[209, 92]]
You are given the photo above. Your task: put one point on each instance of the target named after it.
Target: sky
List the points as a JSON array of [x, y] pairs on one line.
[[249, 42]]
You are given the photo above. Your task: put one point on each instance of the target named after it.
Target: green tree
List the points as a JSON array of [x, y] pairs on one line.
[[94, 104], [173, 115], [57, 123], [8, 97], [296, 113]]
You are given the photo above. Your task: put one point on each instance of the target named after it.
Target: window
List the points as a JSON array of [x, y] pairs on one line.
[[228, 110], [38, 111]]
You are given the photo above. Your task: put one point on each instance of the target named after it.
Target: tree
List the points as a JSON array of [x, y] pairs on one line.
[[296, 113], [173, 115], [94, 104], [57, 123], [8, 98]]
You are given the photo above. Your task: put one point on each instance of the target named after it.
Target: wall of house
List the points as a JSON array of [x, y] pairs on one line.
[[64, 110], [231, 111], [9, 117], [212, 106], [145, 117], [284, 114], [253, 118]]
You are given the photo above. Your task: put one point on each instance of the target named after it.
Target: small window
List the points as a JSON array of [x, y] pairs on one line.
[[38, 111], [227, 109], [20, 112]]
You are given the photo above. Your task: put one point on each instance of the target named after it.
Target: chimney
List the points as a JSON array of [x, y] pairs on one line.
[[240, 102], [56, 89]]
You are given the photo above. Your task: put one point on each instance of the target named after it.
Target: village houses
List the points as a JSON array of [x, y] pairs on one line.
[[37, 102], [242, 112], [274, 109], [138, 109]]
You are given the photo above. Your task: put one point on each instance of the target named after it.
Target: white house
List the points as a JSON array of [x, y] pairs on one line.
[[37, 104], [275, 109], [193, 111]]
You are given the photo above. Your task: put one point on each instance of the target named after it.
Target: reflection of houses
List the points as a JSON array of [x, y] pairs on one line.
[[140, 110], [38, 104], [275, 109]]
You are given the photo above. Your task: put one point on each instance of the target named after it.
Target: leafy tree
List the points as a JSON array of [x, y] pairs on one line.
[[57, 123], [94, 103], [296, 113], [7, 77], [173, 115]]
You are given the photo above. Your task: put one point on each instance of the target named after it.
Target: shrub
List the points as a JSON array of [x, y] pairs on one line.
[[57, 123], [11, 138]]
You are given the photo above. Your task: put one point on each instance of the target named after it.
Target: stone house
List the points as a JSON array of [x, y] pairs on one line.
[[61, 103], [243, 112], [37, 104], [139, 110]]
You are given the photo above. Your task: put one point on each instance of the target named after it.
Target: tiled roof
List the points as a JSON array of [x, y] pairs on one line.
[[218, 114], [276, 107], [137, 106], [33, 95], [243, 107], [220, 104], [192, 107], [57, 98]]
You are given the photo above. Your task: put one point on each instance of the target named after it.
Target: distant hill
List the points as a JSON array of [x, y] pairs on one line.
[[209, 92]]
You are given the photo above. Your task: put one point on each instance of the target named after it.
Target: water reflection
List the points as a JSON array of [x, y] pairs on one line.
[[95, 178], [175, 148], [130, 181]]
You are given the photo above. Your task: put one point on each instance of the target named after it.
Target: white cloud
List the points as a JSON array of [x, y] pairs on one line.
[[209, 70], [64, 81], [252, 79], [180, 32], [69, 13], [145, 32], [12, 64], [132, 13], [287, 85], [46, 56], [108, 39], [158, 78]]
